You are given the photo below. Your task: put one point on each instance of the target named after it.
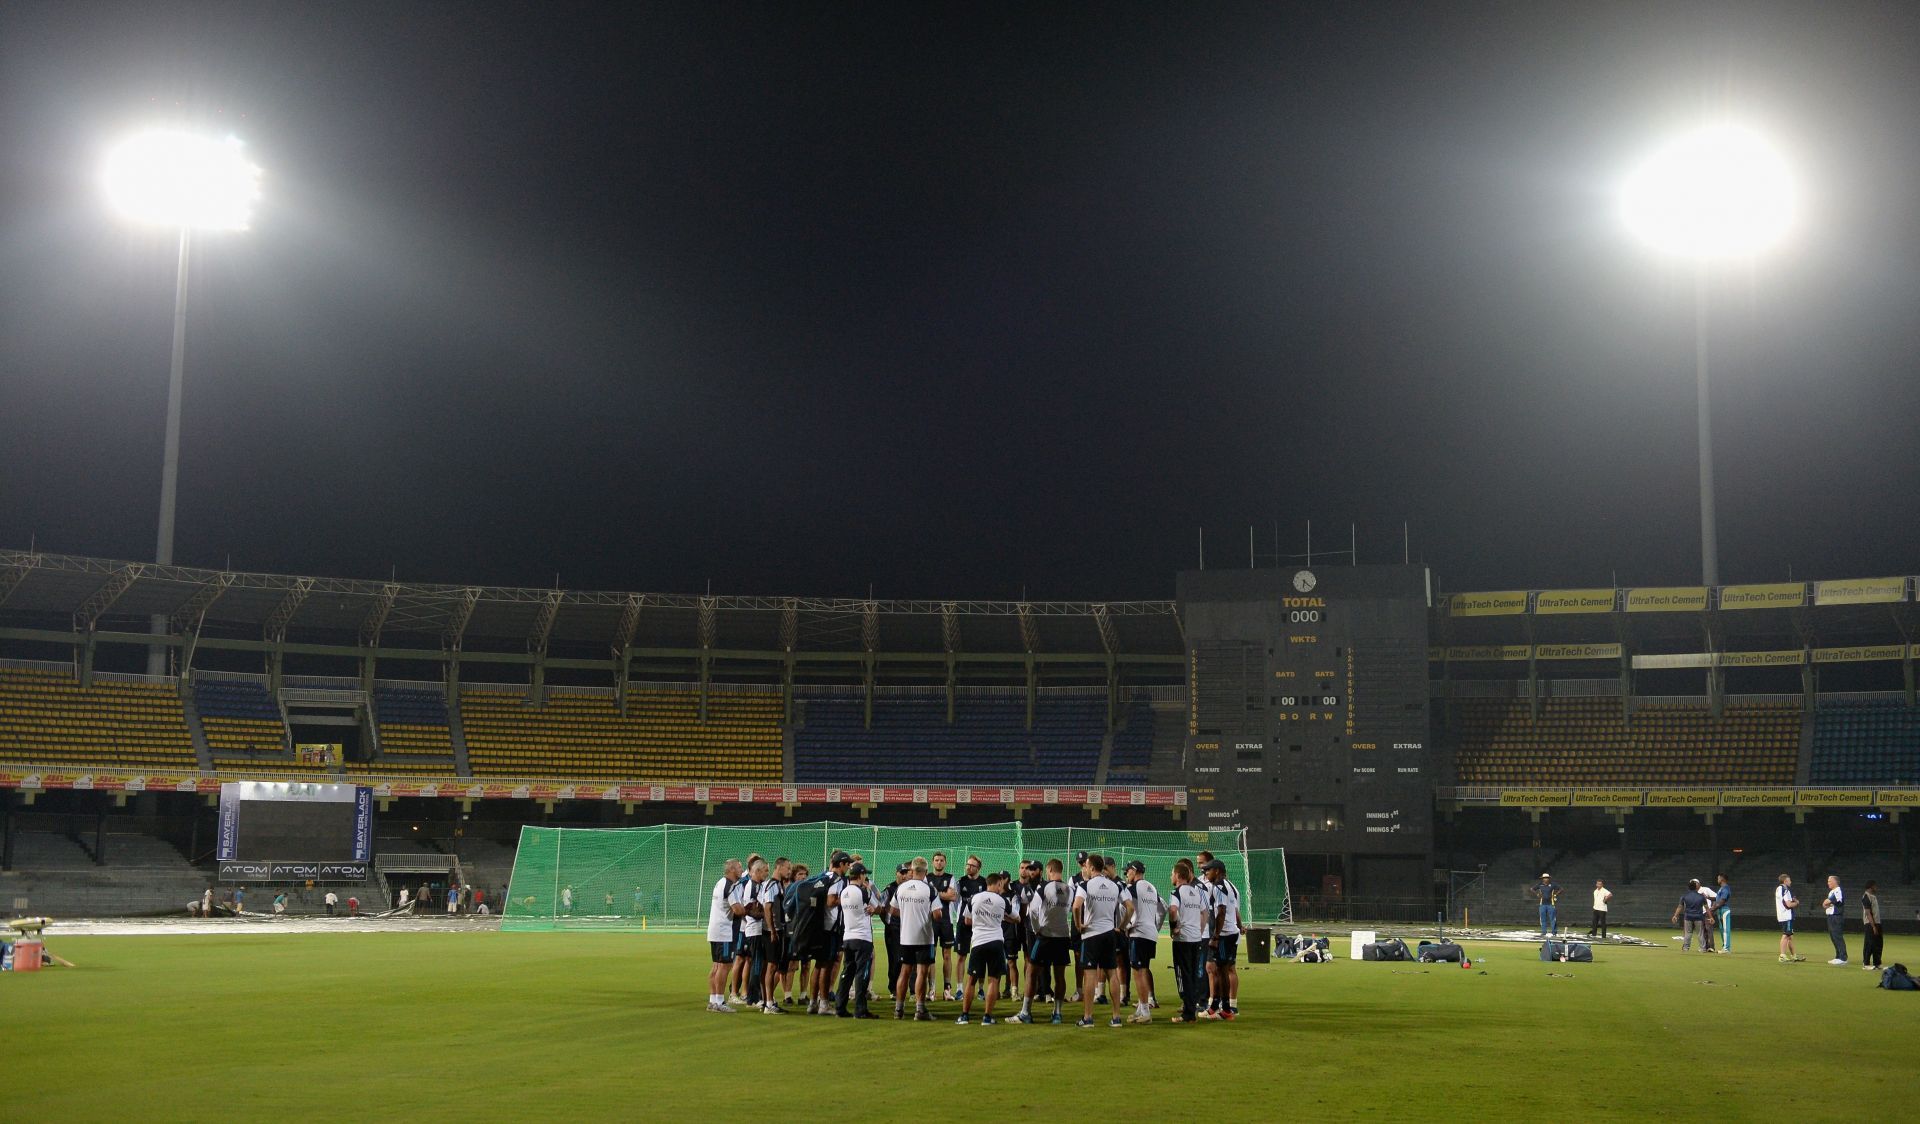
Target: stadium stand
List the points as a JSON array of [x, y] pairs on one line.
[[242, 722], [47, 718], [1132, 743], [988, 742], [1589, 741], [581, 733], [1866, 742], [414, 728]]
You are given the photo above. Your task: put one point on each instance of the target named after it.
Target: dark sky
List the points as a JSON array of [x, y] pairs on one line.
[[954, 300]]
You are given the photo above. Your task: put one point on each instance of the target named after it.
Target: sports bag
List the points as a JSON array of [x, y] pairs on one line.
[[1568, 951], [1447, 952]]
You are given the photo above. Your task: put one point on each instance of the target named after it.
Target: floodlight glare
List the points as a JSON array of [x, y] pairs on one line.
[[181, 180], [1719, 192]]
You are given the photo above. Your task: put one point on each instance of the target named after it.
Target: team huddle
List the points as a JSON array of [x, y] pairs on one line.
[[780, 928]]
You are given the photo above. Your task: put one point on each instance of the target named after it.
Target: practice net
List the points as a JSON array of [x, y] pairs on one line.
[[662, 877]]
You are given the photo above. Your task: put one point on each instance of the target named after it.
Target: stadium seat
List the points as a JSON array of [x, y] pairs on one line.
[[1589, 741], [1866, 742], [46, 718], [660, 738], [988, 743]]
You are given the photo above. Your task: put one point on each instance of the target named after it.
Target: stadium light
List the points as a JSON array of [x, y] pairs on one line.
[[1717, 194], [185, 182]]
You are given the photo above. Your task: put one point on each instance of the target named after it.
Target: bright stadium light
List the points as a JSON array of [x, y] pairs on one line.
[[1719, 192], [185, 182], [177, 179]]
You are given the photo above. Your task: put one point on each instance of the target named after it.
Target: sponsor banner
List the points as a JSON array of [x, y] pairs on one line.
[[1667, 599], [235, 871], [1860, 591], [1833, 797], [1535, 797], [1555, 602], [1860, 655], [1576, 651], [1682, 798], [227, 840], [1793, 657], [58, 780], [943, 795], [109, 782], [1487, 653], [1897, 797], [1507, 604], [11, 779], [1673, 660], [816, 795], [1607, 797], [1771, 595], [1756, 797], [363, 824]]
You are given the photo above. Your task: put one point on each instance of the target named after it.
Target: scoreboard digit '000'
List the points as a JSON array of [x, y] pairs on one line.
[[1307, 715]]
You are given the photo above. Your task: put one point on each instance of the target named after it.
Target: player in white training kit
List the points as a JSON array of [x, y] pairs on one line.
[[912, 903], [720, 938], [1144, 912], [1223, 968], [988, 913], [1096, 906]]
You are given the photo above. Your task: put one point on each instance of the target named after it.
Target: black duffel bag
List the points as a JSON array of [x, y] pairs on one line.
[[1568, 951], [1445, 952], [1386, 950]]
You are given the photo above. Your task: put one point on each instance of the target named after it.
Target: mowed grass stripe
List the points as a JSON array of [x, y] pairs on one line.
[[604, 1026]]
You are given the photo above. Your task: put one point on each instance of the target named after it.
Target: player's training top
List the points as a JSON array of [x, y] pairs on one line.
[[987, 912], [1102, 905], [914, 900]]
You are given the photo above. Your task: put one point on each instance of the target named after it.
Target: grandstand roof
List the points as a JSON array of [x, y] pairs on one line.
[[69, 591]]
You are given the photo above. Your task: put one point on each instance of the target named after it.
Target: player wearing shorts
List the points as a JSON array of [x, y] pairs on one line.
[[750, 949], [1097, 906], [824, 950], [1143, 912], [987, 959], [1224, 947], [1784, 904], [913, 905], [1050, 919], [720, 938]]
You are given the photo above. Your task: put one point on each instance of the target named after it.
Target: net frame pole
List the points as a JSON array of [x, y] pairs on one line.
[[553, 896], [706, 835], [666, 885]]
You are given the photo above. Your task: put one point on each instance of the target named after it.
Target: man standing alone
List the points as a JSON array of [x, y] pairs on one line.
[[1835, 907], [1784, 904], [1601, 896], [1549, 896], [1872, 939]]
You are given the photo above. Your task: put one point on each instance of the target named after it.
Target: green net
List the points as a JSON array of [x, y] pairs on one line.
[[1267, 887], [662, 877]]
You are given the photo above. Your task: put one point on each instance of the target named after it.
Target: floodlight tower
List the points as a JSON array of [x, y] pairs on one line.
[[185, 182], [1718, 194]]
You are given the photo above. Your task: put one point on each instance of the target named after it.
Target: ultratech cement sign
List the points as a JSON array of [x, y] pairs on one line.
[[235, 871]]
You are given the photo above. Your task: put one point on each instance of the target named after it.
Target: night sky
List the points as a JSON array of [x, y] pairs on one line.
[[956, 300]]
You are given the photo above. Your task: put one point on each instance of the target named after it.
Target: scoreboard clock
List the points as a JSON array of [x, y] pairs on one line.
[[1307, 712]]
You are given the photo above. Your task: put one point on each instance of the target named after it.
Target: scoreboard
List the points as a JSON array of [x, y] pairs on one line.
[[1307, 719]]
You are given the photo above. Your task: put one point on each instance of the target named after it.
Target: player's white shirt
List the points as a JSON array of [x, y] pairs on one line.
[[836, 885], [914, 900], [1227, 897], [1102, 908], [1835, 902], [1148, 910], [719, 917], [1600, 900], [988, 913], [747, 893], [1053, 909], [856, 925], [770, 894], [1780, 910], [1193, 911]]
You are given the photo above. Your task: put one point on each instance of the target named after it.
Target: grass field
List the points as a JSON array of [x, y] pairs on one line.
[[603, 1026]]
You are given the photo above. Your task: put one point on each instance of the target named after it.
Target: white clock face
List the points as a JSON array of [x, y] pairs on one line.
[[1304, 581]]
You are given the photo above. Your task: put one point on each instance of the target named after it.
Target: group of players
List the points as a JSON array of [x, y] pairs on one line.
[[779, 927]]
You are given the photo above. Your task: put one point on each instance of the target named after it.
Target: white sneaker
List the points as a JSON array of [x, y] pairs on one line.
[[720, 1008], [1837, 961], [1866, 967], [1153, 1004]]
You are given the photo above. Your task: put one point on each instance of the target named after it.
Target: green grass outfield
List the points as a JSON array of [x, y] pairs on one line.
[[609, 1026]]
